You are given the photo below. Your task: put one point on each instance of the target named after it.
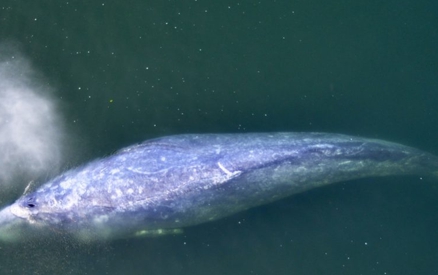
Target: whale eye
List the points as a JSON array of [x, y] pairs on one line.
[[30, 202]]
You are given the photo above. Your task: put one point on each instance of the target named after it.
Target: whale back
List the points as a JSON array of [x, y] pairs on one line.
[[184, 180]]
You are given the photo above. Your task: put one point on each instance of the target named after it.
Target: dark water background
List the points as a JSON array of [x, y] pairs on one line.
[[125, 71]]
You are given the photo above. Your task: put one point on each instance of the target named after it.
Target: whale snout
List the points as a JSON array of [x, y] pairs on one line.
[[19, 211], [11, 225]]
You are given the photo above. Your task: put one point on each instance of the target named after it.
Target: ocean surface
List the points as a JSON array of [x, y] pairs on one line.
[[120, 72]]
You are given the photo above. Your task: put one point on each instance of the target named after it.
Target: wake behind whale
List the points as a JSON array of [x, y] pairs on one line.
[[165, 184]]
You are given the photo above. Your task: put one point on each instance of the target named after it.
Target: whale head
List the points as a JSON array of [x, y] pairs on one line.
[[21, 220]]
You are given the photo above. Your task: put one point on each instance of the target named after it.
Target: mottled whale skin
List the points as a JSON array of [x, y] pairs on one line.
[[183, 180]]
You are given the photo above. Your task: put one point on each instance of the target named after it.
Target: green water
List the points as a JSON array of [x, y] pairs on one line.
[[125, 71]]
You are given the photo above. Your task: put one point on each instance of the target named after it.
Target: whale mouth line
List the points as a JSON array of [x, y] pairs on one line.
[[19, 211]]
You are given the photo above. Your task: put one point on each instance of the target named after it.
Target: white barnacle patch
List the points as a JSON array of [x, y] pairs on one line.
[[163, 158], [66, 184], [228, 172], [114, 171], [219, 178], [81, 188], [53, 202], [101, 175], [119, 193], [130, 191]]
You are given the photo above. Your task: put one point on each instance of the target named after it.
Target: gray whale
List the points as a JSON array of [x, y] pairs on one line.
[[168, 183]]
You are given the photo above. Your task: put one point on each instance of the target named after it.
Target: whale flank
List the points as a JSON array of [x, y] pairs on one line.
[[168, 183]]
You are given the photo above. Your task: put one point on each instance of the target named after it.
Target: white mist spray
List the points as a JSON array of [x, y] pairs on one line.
[[31, 132]]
